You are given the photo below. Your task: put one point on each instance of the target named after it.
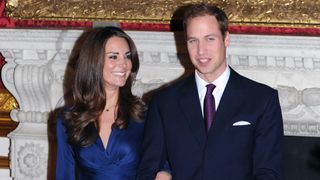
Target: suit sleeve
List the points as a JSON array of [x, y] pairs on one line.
[[153, 145], [65, 164], [268, 149]]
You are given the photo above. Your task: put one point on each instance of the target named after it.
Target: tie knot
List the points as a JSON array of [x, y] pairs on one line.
[[210, 88]]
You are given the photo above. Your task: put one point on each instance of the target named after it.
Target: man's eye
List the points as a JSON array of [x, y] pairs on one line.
[[211, 39], [191, 41]]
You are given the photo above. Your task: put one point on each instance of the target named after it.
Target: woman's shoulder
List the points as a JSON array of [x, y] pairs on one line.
[[60, 115], [135, 124], [60, 118]]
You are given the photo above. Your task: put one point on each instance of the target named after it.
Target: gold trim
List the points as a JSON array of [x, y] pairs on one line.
[[7, 103], [288, 13]]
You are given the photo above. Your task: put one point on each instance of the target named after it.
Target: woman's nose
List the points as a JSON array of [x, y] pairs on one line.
[[123, 61]]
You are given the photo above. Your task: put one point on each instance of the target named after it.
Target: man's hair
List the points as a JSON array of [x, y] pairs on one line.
[[202, 9]]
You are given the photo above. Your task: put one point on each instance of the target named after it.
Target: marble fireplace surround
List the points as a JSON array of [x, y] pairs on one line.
[[36, 62]]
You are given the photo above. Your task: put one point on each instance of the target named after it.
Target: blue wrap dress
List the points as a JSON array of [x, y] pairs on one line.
[[117, 161]]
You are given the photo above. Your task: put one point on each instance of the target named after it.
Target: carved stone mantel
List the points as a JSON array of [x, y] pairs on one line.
[[36, 62], [34, 71]]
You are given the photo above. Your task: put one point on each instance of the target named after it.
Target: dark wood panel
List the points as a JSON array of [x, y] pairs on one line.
[[6, 126], [301, 158], [4, 162]]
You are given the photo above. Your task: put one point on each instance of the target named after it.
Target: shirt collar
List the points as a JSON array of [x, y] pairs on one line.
[[220, 82]]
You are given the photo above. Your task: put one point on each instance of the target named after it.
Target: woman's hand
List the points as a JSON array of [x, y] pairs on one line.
[[163, 175]]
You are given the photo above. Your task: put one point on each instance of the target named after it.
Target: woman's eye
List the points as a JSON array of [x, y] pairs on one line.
[[128, 56], [112, 57]]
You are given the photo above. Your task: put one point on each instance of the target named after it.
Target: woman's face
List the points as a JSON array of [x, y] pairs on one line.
[[117, 63]]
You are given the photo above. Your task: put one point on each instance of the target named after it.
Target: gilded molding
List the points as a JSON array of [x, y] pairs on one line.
[[7, 103], [285, 13]]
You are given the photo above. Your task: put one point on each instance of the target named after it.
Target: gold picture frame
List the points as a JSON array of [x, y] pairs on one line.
[[7, 103], [283, 13]]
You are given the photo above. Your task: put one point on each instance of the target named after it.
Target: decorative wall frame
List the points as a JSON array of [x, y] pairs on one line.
[[284, 13], [7, 103]]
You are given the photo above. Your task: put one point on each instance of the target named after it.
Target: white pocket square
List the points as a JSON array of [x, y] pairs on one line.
[[241, 123]]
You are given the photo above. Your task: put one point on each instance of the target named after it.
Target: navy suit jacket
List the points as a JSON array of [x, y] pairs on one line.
[[175, 132]]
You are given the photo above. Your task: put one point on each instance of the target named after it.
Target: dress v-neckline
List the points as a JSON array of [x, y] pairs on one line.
[[108, 145]]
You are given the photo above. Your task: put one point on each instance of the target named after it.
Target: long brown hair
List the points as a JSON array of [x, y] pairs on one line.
[[89, 97]]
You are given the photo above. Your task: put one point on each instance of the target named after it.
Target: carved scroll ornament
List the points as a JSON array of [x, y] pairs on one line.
[[297, 13]]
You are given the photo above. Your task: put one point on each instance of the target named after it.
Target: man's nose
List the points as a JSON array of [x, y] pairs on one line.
[[201, 47]]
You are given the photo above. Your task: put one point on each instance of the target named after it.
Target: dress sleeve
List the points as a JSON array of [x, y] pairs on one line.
[[65, 164]]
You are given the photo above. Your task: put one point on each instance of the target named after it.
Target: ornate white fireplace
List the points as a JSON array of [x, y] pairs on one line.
[[36, 62]]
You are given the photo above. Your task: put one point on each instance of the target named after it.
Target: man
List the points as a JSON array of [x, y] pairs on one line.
[[244, 140]]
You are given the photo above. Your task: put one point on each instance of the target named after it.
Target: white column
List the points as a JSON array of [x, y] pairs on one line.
[[33, 73]]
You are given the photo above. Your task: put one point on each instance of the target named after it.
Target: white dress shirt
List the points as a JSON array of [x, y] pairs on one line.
[[220, 84]]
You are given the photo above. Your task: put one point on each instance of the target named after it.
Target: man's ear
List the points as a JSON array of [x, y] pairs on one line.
[[227, 39]]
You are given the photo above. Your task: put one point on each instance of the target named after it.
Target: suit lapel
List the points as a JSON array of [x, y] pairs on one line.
[[190, 105], [230, 103]]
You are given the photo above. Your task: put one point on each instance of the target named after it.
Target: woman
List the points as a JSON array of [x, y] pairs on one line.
[[99, 136]]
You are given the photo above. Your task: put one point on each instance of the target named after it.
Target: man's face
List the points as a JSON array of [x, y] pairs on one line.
[[206, 46]]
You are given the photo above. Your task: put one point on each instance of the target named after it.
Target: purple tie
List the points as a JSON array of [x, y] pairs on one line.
[[209, 106]]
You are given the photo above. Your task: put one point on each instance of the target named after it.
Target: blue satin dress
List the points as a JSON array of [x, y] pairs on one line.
[[117, 161]]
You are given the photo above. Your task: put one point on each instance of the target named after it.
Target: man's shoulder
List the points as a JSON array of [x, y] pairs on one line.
[[175, 86], [173, 89], [253, 85]]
